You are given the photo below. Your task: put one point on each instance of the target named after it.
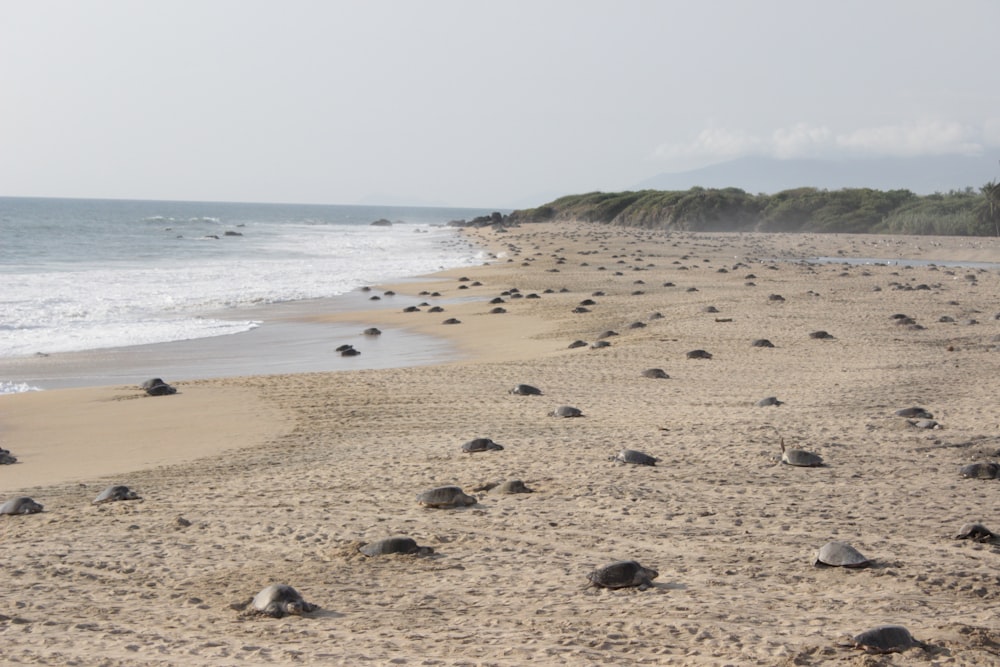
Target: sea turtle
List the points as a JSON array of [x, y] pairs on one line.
[[988, 470], [886, 639], [566, 411], [976, 532], [799, 457], [635, 457], [578, 343], [525, 390], [395, 545], [762, 342], [821, 335], [623, 574], [699, 354], [279, 600], [923, 423], [6, 457], [770, 400], [599, 344], [513, 486], [840, 554], [655, 373], [21, 505], [480, 445], [445, 496], [350, 352], [452, 320], [116, 492], [157, 387], [914, 412], [372, 331]]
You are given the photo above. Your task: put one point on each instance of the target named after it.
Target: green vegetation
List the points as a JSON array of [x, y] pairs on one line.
[[965, 213]]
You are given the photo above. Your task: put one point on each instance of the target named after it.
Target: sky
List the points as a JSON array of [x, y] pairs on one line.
[[500, 103]]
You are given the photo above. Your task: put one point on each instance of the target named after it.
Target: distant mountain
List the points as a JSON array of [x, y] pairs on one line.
[[921, 175]]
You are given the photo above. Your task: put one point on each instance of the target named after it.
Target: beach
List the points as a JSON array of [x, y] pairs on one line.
[[252, 480]]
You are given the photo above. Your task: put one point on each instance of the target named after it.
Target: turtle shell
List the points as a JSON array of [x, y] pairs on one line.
[[885, 639], [395, 545], [116, 492], [279, 600], [988, 470], [801, 458], [445, 496], [976, 532], [513, 486], [480, 445], [623, 574], [21, 505], [635, 457], [566, 411], [526, 390], [770, 400], [840, 554], [655, 373]]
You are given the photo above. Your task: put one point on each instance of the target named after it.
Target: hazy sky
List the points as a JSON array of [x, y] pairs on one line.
[[506, 103]]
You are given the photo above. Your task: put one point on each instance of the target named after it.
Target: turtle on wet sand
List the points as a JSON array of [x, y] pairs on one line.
[[157, 387], [20, 505], [634, 457], [840, 554], [116, 492], [445, 496], [988, 470], [566, 411], [480, 445], [623, 574], [395, 545], [976, 532], [799, 457], [886, 639], [525, 390], [279, 600]]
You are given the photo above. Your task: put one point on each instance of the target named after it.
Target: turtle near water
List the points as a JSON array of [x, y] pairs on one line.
[[20, 505], [116, 492], [623, 574], [157, 387], [278, 600], [445, 496], [480, 445], [395, 545], [840, 554], [634, 457], [886, 639]]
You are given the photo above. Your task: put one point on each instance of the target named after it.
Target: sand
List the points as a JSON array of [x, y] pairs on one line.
[[248, 481]]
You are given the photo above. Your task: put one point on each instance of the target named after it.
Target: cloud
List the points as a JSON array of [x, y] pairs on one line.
[[924, 137]]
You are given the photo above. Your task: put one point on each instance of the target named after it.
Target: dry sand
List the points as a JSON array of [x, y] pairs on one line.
[[254, 480]]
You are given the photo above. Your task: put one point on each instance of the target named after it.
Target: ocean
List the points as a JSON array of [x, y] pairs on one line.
[[81, 275]]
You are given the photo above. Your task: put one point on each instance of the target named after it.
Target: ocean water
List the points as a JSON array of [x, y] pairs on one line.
[[79, 275]]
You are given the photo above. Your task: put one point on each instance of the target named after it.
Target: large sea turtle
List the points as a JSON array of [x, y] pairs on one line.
[[21, 505], [840, 554], [525, 390], [480, 445], [566, 411], [157, 387], [886, 639], [800, 457], [395, 545], [623, 574], [116, 492], [634, 457], [279, 600], [445, 496]]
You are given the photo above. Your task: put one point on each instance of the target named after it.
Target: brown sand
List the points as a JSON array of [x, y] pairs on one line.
[[281, 476]]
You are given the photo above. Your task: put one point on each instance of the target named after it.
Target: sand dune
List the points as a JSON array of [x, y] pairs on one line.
[[256, 480]]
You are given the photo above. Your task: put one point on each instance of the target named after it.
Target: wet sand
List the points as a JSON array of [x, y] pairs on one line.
[[248, 481]]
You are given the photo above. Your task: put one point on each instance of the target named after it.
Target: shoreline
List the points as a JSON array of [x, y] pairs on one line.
[[279, 477]]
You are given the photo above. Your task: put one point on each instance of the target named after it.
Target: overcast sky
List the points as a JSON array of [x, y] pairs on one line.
[[505, 103]]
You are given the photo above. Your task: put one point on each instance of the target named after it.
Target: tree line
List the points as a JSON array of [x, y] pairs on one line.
[[851, 210]]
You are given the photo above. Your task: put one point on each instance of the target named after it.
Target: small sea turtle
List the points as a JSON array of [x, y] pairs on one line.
[[445, 496], [578, 343], [279, 600], [623, 574], [6, 458], [699, 354], [770, 400], [372, 331], [976, 532], [988, 470], [821, 335], [525, 390], [762, 342], [886, 639], [157, 387], [799, 457], [513, 486], [480, 445], [914, 412], [452, 320], [21, 505], [655, 373], [606, 334], [599, 344], [840, 554], [395, 545], [634, 457], [566, 411], [116, 492], [499, 310]]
